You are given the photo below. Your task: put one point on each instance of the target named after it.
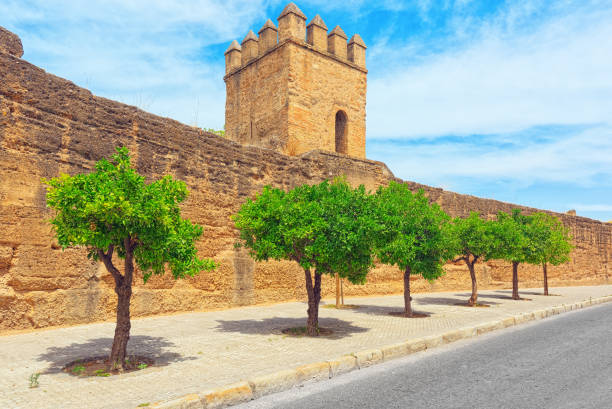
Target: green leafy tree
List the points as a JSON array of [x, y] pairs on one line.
[[112, 211], [471, 240], [411, 235], [511, 243], [551, 242], [325, 228]]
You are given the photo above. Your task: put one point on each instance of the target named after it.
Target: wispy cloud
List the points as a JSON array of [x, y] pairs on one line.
[[580, 157], [505, 76]]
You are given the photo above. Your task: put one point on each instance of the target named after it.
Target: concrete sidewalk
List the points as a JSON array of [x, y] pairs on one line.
[[200, 351]]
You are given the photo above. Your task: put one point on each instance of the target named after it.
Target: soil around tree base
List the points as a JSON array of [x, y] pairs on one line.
[[301, 332], [342, 307], [477, 305], [99, 366], [413, 315]]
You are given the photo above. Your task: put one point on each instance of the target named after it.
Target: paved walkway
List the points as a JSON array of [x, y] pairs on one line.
[[199, 351]]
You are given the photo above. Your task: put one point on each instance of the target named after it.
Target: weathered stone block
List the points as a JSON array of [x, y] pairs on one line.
[[313, 372], [368, 358], [344, 364], [227, 396], [433, 341], [395, 351], [191, 401], [272, 383]]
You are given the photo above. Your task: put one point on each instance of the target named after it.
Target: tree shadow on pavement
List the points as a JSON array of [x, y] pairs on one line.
[[534, 293], [151, 347], [384, 310], [276, 325], [449, 301], [497, 296]]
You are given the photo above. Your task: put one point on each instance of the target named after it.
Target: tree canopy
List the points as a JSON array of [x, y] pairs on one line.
[[550, 239], [99, 210], [510, 241]]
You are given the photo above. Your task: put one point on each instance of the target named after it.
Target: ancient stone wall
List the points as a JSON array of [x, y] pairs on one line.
[[49, 125]]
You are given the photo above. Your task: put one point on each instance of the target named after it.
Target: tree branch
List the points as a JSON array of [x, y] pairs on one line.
[[107, 259], [111, 249]]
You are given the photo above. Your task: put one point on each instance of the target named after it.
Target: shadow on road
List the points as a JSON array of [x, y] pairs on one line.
[[275, 325], [151, 347]]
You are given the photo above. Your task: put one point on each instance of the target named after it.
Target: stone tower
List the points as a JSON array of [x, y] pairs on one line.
[[297, 87]]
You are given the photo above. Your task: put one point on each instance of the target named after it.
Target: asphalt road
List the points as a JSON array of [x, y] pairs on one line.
[[557, 363]]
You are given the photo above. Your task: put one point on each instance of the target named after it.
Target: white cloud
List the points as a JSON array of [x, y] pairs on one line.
[[505, 77], [150, 53], [580, 158]]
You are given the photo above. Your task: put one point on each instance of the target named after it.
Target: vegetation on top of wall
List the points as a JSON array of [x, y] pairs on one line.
[[220, 133]]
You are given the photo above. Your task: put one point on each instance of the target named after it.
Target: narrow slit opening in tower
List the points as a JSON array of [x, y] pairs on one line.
[[341, 132]]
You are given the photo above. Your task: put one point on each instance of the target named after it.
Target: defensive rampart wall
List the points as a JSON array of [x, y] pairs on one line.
[[49, 125]]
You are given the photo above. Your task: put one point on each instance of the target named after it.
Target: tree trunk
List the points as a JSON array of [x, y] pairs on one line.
[[314, 297], [337, 290], [407, 297], [515, 294], [123, 288], [474, 297], [544, 268]]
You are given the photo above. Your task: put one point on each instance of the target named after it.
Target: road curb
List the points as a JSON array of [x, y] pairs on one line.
[[283, 380]]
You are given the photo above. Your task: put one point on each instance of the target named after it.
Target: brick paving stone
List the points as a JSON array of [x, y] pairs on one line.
[[203, 350]]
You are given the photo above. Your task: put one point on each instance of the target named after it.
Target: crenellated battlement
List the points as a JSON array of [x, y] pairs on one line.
[[297, 87], [292, 27]]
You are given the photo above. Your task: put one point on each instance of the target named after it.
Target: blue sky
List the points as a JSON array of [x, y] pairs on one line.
[[510, 100]]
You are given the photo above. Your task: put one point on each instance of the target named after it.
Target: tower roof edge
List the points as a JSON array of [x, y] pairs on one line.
[[233, 46], [317, 21], [356, 39], [339, 32], [268, 24], [250, 36], [292, 8]]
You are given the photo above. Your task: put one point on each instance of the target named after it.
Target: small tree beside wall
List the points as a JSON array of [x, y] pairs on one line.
[[113, 213], [411, 235], [326, 229]]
